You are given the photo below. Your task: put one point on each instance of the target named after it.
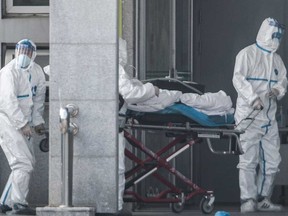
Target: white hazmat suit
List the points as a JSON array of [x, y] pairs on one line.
[[132, 91], [22, 94], [259, 79]]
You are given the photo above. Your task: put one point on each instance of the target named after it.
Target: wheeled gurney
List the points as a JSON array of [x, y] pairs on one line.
[[186, 127]]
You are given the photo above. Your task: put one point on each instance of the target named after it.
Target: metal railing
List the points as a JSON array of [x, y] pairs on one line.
[[68, 130]]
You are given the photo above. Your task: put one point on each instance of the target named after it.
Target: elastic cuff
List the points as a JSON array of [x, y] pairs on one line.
[[245, 200]]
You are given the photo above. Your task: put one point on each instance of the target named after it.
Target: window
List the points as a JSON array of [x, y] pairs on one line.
[[165, 39], [30, 2], [30, 7]]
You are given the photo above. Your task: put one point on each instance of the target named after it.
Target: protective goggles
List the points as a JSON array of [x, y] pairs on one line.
[[275, 23]]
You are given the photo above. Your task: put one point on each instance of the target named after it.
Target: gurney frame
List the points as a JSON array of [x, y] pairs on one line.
[[184, 137]]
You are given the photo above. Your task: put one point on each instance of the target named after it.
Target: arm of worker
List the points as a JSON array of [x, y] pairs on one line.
[[279, 89], [134, 91], [9, 104], [241, 84]]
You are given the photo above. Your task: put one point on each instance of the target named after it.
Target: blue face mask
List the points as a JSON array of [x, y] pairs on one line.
[[23, 61]]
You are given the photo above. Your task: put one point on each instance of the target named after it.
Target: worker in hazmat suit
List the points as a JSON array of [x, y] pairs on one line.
[[132, 91], [260, 80], [22, 95]]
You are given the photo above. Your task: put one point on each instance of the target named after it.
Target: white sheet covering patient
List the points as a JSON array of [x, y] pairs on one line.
[[166, 98], [218, 103]]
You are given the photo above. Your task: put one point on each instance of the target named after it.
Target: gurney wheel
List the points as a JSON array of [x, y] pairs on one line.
[[177, 207], [204, 205], [44, 145]]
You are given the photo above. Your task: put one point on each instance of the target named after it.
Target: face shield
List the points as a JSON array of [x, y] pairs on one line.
[[25, 53]]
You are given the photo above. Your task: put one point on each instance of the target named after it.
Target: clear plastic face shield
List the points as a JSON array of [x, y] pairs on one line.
[[25, 53]]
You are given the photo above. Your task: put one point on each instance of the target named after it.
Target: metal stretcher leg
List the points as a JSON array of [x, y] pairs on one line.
[[154, 162]]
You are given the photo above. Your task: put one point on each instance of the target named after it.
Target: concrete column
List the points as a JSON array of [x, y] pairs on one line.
[[83, 62]]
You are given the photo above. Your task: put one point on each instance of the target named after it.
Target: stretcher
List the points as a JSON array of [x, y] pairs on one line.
[[186, 127]]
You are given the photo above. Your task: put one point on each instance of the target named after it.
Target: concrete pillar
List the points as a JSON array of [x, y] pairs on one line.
[[83, 63]]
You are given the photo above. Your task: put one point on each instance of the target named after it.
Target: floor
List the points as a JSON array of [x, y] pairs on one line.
[[190, 210], [232, 210]]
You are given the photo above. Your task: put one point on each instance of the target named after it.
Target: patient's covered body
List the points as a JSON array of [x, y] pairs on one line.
[[165, 99], [218, 103]]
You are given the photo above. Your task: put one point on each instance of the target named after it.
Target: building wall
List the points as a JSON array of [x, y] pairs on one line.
[[83, 63]]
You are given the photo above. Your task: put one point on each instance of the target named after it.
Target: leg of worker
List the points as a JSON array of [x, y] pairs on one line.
[[121, 170], [21, 161], [247, 173], [5, 201], [269, 161], [247, 168], [6, 195], [121, 210]]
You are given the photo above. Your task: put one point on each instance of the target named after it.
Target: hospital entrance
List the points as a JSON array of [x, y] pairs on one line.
[[191, 41]]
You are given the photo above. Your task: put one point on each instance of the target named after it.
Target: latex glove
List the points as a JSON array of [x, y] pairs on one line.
[[258, 104], [26, 131], [39, 129], [273, 93], [156, 91]]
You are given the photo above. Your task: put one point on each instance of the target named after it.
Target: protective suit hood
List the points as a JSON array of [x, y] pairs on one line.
[[122, 52], [270, 34]]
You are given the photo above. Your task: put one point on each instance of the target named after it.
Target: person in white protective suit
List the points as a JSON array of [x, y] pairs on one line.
[[47, 70], [260, 80], [132, 91], [22, 94]]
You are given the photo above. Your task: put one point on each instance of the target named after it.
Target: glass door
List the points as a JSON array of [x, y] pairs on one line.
[[164, 48], [164, 40]]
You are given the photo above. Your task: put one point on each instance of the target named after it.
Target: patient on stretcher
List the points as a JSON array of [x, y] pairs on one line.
[[209, 109], [218, 103]]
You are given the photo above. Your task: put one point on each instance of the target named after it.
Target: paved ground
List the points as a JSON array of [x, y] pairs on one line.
[[166, 211], [197, 212], [234, 211]]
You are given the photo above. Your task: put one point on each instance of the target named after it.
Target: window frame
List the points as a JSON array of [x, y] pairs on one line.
[[8, 50], [8, 10]]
